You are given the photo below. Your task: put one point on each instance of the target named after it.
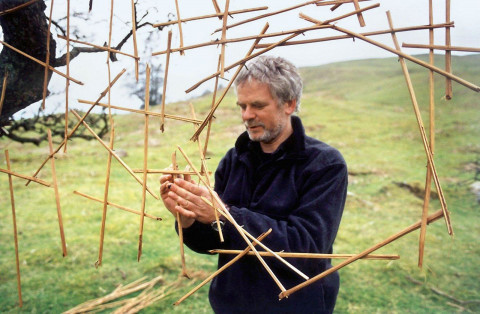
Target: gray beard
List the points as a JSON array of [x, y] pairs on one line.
[[268, 136]]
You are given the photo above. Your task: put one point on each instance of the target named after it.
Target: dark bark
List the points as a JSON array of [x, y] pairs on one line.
[[26, 30]]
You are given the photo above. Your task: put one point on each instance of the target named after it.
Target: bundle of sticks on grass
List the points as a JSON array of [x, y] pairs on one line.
[[203, 126]]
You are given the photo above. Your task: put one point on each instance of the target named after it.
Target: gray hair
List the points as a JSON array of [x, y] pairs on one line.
[[281, 76]]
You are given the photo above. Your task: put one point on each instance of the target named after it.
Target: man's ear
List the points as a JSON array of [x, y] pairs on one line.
[[290, 106]]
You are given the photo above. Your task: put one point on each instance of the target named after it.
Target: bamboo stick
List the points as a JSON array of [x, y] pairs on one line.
[[57, 195], [47, 58], [212, 110], [152, 113], [239, 39], [28, 178], [318, 22], [381, 32], [428, 178], [145, 162], [129, 170], [408, 57], [179, 225], [221, 269], [134, 33], [234, 223], [167, 62], [448, 53], [440, 47], [224, 37], [15, 233], [40, 62], [19, 7], [109, 49], [336, 2], [359, 15], [133, 211], [179, 22], [67, 82], [309, 255], [215, 5], [80, 122], [421, 127], [219, 15], [431, 218], [267, 15], [4, 88], [336, 6], [214, 96], [168, 171]]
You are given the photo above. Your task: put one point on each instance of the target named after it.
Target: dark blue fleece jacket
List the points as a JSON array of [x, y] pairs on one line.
[[299, 191]]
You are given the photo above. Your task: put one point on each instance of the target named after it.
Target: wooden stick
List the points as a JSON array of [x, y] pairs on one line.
[[15, 236], [219, 15], [309, 255], [4, 88], [47, 58], [133, 211], [179, 224], [217, 8], [428, 179], [439, 47], [169, 43], [57, 195], [134, 33], [214, 96], [318, 22], [212, 110], [359, 15], [21, 6], [431, 218], [336, 6], [25, 177], [229, 217], [152, 113], [109, 49], [408, 57], [421, 127], [168, 171], [448, 53], [129, 170], [79, 123], [40, 62], [179, 22], [221, 269], [239, 39], [67, 82], [145, 162], [224, 37], [381, 32], [267, 15], [336, 2]]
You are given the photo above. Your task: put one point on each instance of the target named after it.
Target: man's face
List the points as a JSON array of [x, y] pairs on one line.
[[264, 120]]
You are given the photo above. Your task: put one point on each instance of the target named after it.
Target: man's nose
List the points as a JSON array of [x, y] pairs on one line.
[[248, 114]]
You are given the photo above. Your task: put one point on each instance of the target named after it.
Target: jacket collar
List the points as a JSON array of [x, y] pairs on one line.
[[295, 144]]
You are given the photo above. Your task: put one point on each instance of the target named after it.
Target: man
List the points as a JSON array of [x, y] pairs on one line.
[[275, 177]]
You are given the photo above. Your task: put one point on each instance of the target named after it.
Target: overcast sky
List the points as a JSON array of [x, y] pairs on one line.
[[186, 70]]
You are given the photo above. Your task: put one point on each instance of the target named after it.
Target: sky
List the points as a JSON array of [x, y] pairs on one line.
[[184, 71]]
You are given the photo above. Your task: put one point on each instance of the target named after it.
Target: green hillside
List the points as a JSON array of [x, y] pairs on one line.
[[361, 107]]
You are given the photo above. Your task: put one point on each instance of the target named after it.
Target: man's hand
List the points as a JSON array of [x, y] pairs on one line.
[[188, 195], [165, 185]]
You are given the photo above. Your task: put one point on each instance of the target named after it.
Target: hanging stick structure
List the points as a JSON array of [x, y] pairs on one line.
[[47, 59], [15, 236], [134, 33], [57, 195], [145, 162], [428, 179], [133, 211], [169, 43], [40, 62], [129, 170], [219, 14], [79, 123], [431, 218], [421, 127], [179, 22], [309, 255], [221, 269], [448, 53]]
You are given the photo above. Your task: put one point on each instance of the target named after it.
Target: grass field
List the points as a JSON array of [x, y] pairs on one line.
[[360, 107]]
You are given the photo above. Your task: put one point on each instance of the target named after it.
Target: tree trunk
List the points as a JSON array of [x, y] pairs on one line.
[[25, 29]]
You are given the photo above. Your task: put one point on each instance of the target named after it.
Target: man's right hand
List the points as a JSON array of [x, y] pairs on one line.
[[165, 182]]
